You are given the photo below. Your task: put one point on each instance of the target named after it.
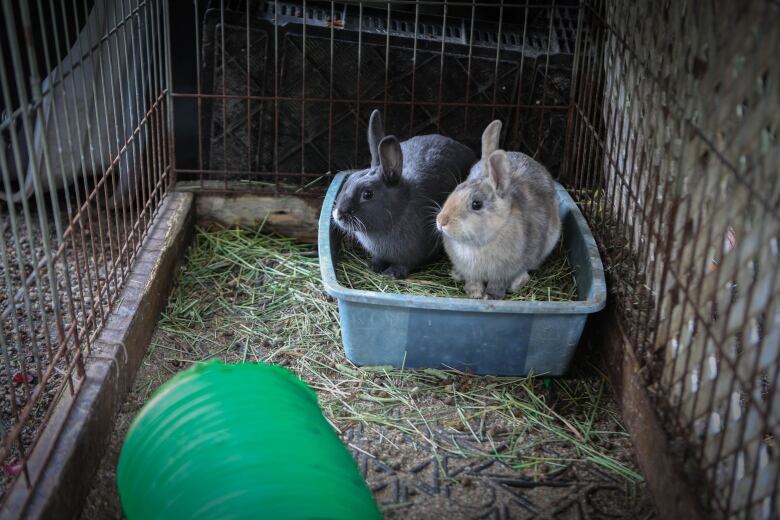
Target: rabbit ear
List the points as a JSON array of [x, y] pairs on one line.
[[391, 159], [490, 138], [375, 134], [498, 172]]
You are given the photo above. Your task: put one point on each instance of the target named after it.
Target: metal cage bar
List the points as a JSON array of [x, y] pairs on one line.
[[684, 203], [430, 66], [84, 160], [665, 138]]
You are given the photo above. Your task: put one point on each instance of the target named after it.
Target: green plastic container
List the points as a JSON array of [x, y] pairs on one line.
[[238, 441]]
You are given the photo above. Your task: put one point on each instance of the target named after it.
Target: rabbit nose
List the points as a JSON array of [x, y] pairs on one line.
[[338, 213], [443, 220]]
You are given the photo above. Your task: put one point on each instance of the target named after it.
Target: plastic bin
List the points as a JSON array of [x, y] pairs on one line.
[[477, 336]]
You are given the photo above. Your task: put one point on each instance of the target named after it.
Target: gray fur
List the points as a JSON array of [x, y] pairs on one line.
[[376, 132], [409, 184], [391, 159], [490, 138], [492, 249]]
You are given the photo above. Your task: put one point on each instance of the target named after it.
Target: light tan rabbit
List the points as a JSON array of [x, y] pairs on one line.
[[501, 222]]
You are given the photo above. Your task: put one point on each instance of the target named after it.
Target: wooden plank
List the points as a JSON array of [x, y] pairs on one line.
[[287, 215], [673, 495]]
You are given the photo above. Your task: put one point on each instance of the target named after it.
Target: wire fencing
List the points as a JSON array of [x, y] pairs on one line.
[[85, 162]]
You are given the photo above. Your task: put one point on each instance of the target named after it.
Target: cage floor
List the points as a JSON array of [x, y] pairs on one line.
[[431, 444], [30, 331]]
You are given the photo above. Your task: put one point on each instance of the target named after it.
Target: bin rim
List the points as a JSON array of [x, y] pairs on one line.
[[595, 301]]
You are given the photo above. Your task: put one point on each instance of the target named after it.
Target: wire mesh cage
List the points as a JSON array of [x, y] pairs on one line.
[[660, 120], [674, 155], [85, 164], [283, 90]]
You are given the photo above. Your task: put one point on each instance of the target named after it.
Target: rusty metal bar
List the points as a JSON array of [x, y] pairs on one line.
[[519, 104], [414, 66], [297, 99], [658, 213], [198, 89], [441, 66], [704, 331], [15, 113], [90, 130], [357, 80], [546, 77], [497, 59]]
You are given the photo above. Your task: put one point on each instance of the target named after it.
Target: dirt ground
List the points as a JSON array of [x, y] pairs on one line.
[[431, 444], [88, 273], [410, 480]]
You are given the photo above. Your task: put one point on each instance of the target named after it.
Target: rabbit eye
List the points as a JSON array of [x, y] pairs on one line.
[[476, 205], [368, 194]]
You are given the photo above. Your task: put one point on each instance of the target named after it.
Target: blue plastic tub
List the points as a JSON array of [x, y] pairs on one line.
[[479, 336]]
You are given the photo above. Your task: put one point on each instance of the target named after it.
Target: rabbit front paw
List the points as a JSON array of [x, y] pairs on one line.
[[495, 291], [519, 281], [378, 265], [475, 289], [398, 272]]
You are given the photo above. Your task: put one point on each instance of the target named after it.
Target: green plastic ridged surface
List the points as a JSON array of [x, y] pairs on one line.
[[238, 441]]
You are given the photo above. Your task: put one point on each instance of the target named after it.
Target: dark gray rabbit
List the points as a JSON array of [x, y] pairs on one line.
[[501, 222], [391, 207]]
